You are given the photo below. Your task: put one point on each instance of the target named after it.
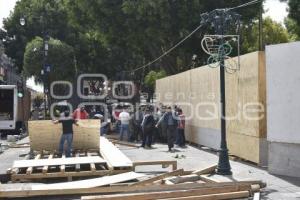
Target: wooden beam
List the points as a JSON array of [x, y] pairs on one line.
[[45, 168], [168, 194], [159, 177], [208, 170], [90, 183], [124, 143], [70, 174], [57, 161], [208, 179], [228, 195], [77, 166], [29, 169], [63, 167], [92, 165], [256, 196], [164, 163], [29, 191], [186, 178]]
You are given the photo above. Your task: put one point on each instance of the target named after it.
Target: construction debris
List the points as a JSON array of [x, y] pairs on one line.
[[124, 143], [118, 180]]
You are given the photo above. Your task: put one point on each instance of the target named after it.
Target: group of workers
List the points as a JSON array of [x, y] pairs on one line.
[[147, 125]]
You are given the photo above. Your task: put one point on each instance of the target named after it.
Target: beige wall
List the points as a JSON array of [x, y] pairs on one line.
[[245, 137]]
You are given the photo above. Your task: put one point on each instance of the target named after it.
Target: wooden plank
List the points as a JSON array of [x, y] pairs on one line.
[[208, 179], [207, 170], [90, 183], [57, 161], [159, 177], [168, 194], [256, 196], [26, 190], [63, 167], [124, 143], [164, 163], [229, 195], [92, 165], [255, 188], [45, 168], [69, 174], [113, 155], [186, 178], [44, 135], [77, 166], [29, 169], [18, 145]]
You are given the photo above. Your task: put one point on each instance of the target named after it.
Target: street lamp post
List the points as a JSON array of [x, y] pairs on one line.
[[44, 70], [222, 20]]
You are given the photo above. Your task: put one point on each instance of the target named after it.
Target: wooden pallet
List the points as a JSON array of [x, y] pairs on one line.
[[171, 185], [68, 171]]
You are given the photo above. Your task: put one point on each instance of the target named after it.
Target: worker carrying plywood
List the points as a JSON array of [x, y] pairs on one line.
[[67, 132]]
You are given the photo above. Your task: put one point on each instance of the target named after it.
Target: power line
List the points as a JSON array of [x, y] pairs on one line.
[[188, 36], [167, 52], [244, 5]]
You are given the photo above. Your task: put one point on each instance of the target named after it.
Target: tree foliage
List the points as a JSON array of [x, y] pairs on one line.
[[152, 76], [60, 54], [292, 23], [112, 37], [273, 33], [150, 80]]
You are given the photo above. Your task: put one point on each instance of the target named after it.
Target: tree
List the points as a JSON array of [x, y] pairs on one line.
[[292, 23], [294, 8], [113, 36], [273, 33], [40, 16], [38, 100], [60, 58], [292, 28], [136, 32], [150, 81]]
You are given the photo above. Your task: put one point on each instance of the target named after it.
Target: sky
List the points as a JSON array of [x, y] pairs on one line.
[[275, 9]]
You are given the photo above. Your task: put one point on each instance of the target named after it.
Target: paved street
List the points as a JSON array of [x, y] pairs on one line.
[[278, 188], [190, 158]]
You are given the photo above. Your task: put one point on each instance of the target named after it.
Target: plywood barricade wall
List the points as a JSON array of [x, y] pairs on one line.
[[197, 92], [45, 135]]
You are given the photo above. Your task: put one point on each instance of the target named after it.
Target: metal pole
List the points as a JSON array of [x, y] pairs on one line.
[[44, 73], [223, 167], [223, 164]]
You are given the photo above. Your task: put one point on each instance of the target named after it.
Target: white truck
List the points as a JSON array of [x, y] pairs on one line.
[[13, 111]]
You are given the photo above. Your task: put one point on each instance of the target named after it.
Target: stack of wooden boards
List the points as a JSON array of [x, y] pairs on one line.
[[45, 135], [108, 160], [178, 184]]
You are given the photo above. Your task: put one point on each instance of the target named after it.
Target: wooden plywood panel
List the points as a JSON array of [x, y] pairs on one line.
[[245, 90], [244, 146], [44, 135], [90, 183], [113, 155]]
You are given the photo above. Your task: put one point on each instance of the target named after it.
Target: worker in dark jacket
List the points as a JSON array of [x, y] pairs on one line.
[[148, 128], [169, 118]]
